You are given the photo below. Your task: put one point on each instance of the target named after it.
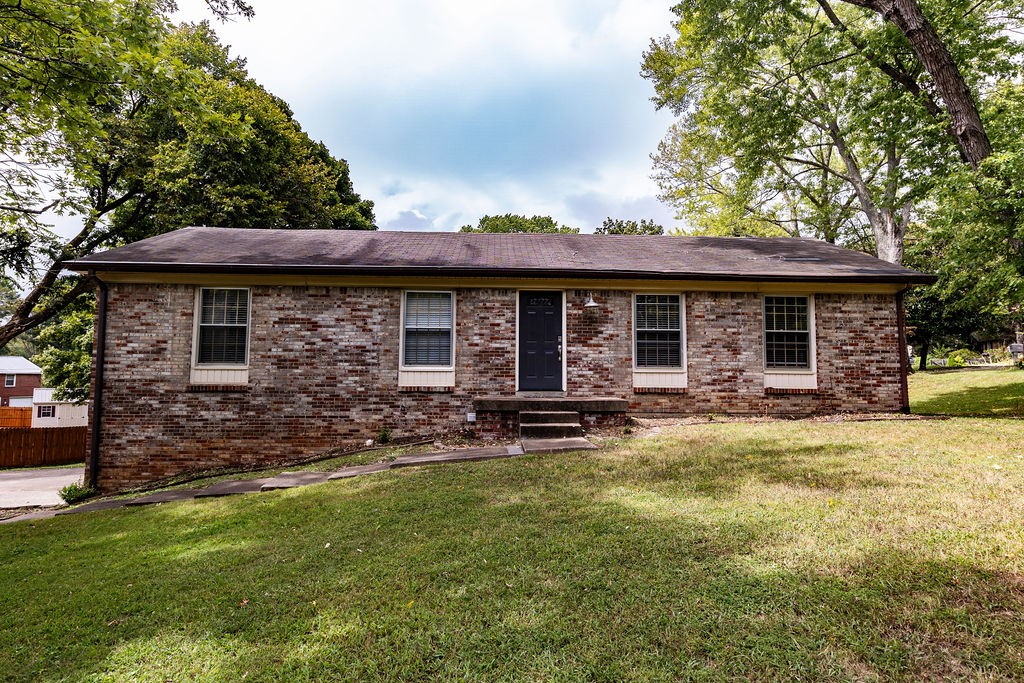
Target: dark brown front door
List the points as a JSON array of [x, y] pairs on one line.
[[540, 341]]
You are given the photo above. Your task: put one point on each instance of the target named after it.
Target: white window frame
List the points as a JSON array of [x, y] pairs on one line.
[[196, 325], [426, 375], [661, 377], [10, 381], [219, 373], [791, 378], [51, 409]]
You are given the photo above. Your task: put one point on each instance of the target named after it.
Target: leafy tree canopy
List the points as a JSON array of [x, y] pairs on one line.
[[152, 127], [511, 222], [617, 226], [806, 117]]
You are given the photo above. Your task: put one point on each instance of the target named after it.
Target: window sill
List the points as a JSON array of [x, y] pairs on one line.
[[426, 390], [659, 390], [217, 388]]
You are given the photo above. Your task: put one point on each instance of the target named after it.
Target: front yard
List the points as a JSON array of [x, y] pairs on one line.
[[797, 550]]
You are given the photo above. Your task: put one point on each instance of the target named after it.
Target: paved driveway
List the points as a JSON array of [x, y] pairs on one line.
[[25, 488]]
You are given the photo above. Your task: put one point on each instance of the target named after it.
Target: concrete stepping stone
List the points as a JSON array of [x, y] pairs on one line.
[[461, 455], [95, 505], [230, 488], [163, 497], [289, 480], [356, 470], [577, 443]]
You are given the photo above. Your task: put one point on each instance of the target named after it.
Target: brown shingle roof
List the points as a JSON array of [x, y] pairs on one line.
[[338, 252]]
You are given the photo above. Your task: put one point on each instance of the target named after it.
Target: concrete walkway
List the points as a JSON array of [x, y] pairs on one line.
[[287, 480], [36, 487]]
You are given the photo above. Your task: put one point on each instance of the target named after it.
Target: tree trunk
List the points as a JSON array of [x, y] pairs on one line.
[[907, 16], [922, 364]]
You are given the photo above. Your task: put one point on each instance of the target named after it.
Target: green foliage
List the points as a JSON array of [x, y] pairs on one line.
[[799, 117], [64, 344], [158, 128], [384, 437], [976, 240], [616, 226], [515, 223], [959, 358], [75, 493]]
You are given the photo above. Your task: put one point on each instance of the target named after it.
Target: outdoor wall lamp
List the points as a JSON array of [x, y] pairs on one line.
[[590, 303]]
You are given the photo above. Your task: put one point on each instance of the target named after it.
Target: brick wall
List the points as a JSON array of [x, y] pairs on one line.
[[324, 370]]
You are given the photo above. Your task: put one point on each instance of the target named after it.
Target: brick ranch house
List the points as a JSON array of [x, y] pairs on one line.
[[221, 347]]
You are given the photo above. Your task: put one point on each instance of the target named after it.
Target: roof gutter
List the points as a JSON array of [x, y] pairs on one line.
[[901, 327], [908, 278], [97, 400]]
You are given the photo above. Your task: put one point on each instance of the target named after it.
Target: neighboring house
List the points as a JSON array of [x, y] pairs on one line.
[[49, 412], [20, 377], [239, 347]]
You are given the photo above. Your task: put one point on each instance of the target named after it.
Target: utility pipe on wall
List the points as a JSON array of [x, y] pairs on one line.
[[97, 399]]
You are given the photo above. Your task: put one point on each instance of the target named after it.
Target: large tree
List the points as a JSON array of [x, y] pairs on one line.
[[188, 139], [794, 112]]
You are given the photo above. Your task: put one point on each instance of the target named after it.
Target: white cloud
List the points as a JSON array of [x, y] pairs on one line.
[[449, 110]]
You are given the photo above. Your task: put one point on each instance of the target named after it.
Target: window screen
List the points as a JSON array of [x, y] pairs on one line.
[[787, 337], [223, 326], [658, 331], [9, 380], [428, 328]]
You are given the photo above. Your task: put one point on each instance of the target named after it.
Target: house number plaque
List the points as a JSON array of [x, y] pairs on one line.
[[541, 301]]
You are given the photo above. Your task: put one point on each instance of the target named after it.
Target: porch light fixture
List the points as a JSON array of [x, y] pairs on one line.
[[590, 303]]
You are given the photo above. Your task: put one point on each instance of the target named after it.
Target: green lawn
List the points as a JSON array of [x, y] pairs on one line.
[[782, 550], [978, 391]]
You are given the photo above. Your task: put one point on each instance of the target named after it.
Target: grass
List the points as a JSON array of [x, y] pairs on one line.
[[983, 391], [781, 550]]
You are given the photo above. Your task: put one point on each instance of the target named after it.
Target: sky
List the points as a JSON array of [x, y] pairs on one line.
[[449, 110]]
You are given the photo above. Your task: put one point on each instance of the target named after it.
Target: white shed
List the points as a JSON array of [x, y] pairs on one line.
[[49, 412]]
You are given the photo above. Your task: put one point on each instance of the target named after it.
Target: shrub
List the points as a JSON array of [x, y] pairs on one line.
[[73, 493], [959, 358], [1020, 363], [998, 355], [384, 436]]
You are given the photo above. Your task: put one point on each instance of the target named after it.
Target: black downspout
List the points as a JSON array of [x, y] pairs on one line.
[[97, 399], [901, 324]]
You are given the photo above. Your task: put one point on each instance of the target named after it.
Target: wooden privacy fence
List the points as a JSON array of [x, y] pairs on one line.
[[27, 447], [15, 417]]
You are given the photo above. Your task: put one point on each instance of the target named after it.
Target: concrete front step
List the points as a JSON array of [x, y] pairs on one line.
[[550, 430], [549, 417]]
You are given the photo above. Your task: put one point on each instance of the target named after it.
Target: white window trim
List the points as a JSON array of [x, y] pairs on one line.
[[666, 377], [792, 378], [52, 409], [197, 314], [218, 373], [10, 381], [426, 375]]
